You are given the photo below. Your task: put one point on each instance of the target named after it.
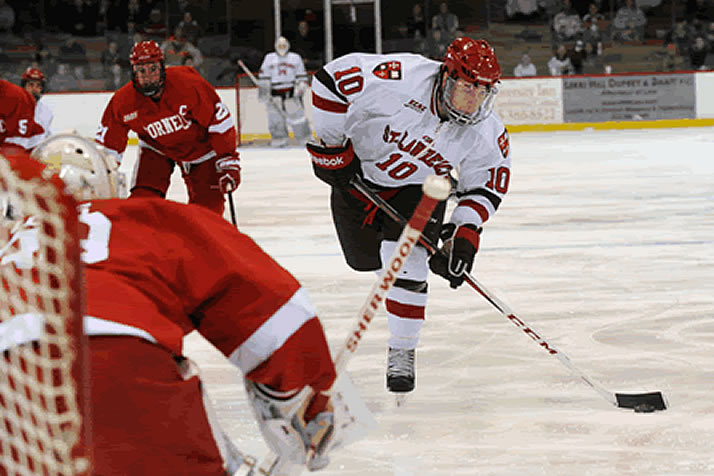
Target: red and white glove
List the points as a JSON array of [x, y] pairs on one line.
[[334, 165], [228, 169]]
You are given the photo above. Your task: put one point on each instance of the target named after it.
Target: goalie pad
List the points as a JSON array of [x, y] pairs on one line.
[[263, 90]]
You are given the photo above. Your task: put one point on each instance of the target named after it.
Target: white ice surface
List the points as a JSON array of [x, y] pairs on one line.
[[605, 244]]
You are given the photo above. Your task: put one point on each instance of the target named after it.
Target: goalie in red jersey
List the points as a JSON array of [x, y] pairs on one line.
[[180, 119], [146, 288]]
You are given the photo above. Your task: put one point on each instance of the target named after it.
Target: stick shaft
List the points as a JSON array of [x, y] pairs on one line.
[[232, 207], [248, 72]]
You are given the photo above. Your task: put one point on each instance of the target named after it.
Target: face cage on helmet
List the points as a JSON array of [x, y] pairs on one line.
[[484, 110], [150, 89]]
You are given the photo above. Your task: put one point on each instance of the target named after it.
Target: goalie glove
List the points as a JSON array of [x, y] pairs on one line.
[[334, 165], [228, 169], [456, 255], [297, 426]]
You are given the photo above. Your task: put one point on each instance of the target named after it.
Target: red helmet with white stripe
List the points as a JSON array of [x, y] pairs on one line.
[[473, 62], [33, 74], [144, 53]]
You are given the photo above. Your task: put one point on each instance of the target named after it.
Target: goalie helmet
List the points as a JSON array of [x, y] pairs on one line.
[[147, 52], [282, 46], [474, 63], [88, 171]]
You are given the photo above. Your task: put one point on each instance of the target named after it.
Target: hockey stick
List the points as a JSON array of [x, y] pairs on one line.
[[232, 206], [435, 190], [250, 75], [640, 402]]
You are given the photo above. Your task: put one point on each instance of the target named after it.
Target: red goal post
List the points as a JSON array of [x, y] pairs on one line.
[[44, 424]]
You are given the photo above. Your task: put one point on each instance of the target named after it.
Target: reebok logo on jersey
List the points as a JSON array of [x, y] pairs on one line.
[[503, 143], [416, 105], [388, 70], [131, 116]]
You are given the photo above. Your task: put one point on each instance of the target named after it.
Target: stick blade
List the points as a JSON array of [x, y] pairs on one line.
[[646, 402]]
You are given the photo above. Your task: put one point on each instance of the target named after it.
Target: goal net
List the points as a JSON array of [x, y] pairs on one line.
[[43, 429]]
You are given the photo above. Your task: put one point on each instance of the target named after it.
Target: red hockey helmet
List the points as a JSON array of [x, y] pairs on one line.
[[475, 64], [33, 74], [473, 61], [146, 52]]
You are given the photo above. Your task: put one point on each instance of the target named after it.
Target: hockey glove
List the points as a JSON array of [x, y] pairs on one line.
[[228, 169], [297, 426], [334, 165], [456, 256]]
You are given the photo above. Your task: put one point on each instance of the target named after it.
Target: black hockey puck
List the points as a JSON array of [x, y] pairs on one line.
[[644, 408]]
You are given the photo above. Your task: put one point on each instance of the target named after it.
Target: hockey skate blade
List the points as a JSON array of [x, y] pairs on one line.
[[653, 401]]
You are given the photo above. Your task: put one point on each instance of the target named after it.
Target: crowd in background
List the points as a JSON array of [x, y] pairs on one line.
[[84, 44]]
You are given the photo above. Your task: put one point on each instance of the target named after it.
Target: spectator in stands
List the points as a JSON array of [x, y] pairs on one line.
[[306, 45], [116, 77], [110, 56], [416, 24], [669, 58], [7, 18], [82, 17], [698, 53], [447, 22], [177, 48], [190, 28], [155, 29], [566, 23], [559, 64], [629, 22], [435, 45], [73, 52], [63, 79], [577, 57], [700, 9], [134, 16], [593, 22], [525, 67], [521, 8]]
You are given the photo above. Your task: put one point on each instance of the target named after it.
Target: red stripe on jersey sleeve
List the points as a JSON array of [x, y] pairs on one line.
[[407, 311], [477, 207], [327, 105]]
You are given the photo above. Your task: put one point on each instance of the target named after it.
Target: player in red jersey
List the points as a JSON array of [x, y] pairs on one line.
[[17, 112], [180, 119], [147, 288]]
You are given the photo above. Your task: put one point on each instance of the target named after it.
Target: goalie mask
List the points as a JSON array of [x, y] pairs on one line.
[[88, 171], [467, 85], [282, 46], [148, 72]]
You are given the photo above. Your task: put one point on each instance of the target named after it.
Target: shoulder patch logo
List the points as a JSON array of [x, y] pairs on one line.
[[503, 143], [130, 117], [388, 70]]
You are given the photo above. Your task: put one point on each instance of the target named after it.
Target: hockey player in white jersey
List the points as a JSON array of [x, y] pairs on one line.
[[33, 81], [282, 82], [393, 120]]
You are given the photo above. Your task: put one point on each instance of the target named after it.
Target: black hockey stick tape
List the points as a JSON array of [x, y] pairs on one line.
[[642, 402]]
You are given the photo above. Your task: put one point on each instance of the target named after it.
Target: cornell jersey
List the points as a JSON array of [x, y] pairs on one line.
[[386, 104], [17, 112], [189, 123]]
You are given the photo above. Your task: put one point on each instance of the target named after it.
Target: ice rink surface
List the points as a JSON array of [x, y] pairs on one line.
[[604, 243]]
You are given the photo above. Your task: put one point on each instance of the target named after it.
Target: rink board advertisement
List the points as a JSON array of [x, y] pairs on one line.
[[629, 97], [530, 101]]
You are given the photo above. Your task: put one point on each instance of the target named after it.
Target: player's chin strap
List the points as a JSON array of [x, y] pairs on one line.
[[638, 401]]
